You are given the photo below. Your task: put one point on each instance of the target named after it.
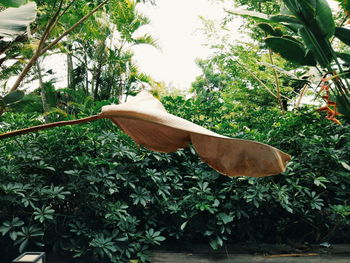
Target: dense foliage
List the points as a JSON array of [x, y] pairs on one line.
[[90, 191]]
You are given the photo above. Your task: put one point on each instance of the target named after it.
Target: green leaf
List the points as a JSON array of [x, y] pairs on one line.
[[13, 235], [343, 105], [225, 218], [344, 56], [14, 21], [345, 165], [260, 17], [319, 47], [183, 225], [268, 29], [13, 3], [343, 34], [307, 8], [301, 8], [4, 230], [23, 245], [324, 18], [159, 238], [290, 50], [286, 19], [13, 97], [293, 39], [213, 243]]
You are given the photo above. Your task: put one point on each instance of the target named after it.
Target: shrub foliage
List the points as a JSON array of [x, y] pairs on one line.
[[89, 191]]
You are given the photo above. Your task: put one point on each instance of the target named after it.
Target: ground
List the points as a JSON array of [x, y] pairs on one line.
[[262, 253]]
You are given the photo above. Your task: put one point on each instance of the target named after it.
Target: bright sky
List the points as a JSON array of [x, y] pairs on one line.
[[175, 24]]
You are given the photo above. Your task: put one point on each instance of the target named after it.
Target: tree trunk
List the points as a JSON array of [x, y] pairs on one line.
[[277, 83], [98, 80], [69, 68], [42, 91], [86, 73]]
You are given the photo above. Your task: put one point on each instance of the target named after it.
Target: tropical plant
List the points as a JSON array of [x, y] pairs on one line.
[[10, 99], [302, 34], [13, 23]]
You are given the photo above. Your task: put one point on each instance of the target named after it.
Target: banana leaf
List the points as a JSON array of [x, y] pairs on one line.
[[268, 29], [291, 51], [12, 3], [343, 105], [318, 46], [343, 34], [13, 97], [14, 21], [324, 18], [286, 19], [344, 56], [259, 17]]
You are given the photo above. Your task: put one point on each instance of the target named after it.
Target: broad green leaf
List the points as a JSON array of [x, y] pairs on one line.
[[290, 50], [293, 39], [14, 21], [324, 18], [301, 8], [286, 19], [319, 47], [268, 29], [260, 17], [307, 8], [343, 106], [291, 6], [344, 56], [13, 97], [343, 34], [13, 3]]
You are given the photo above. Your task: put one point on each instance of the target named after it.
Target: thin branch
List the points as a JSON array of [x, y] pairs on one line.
[[257, 78], [48, 126], [53, 43], [66, 9], [278, 88], [41, 52], [60, 15], [49, 28]]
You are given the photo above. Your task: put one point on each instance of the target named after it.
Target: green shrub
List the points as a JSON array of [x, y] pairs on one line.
[[89, 191]]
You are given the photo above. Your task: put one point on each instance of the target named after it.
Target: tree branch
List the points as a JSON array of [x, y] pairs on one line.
[[48, 126], [40, 52], [73, 27]]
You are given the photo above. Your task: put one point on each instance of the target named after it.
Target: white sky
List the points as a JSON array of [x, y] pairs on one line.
[[175, 24]]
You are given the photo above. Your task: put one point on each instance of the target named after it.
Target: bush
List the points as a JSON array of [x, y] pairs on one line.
[[89, 191]]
